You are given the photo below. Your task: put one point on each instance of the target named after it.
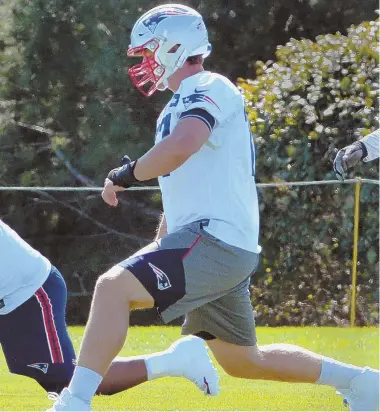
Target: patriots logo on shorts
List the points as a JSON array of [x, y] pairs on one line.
[[163, 281], [43, 367], [152, 22], [197, 97]]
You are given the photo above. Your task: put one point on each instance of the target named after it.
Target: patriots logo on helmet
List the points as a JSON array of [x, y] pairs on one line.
[[197, 97], [152, 22]]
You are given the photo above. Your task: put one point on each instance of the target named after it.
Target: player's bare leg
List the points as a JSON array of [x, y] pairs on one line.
[[116, 292], [279, 362], [124, 373], [291, 363]]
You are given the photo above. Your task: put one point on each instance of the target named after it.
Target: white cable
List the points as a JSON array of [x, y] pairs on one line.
[[152, 188]]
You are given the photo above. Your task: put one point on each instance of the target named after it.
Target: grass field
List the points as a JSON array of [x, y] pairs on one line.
[[359, 346]]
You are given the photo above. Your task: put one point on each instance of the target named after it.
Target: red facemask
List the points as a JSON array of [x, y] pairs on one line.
[[148, 71]]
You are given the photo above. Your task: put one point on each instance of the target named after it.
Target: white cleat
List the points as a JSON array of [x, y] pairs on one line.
[[67, 402], [189, 358], [363, 394]]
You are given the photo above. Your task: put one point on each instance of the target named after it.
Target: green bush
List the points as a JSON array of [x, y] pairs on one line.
[[317, 96]]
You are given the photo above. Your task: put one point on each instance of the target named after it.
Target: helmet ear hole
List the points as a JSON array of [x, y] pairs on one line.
[[174, 48], [193, 60]]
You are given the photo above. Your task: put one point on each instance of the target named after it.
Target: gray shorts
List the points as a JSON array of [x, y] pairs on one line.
[[192, 273]]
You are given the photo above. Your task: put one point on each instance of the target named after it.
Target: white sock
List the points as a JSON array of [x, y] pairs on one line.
[[337, 374], [84, 383], [158, 364]]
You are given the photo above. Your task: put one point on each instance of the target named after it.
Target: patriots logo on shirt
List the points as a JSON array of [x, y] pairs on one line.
[[152, 22], [197, 97]]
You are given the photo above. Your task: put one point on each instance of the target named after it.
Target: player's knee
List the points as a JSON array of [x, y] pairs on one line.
[[121, 282], [114, 282]]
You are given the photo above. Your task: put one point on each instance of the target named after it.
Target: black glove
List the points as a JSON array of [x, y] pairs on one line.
[[123, 176], [347, 157]]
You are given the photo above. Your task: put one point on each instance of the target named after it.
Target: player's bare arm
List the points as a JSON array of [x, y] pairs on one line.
[[189, 135], [187, 138]]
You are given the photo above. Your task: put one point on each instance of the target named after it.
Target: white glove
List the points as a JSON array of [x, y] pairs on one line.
[[348, 157]]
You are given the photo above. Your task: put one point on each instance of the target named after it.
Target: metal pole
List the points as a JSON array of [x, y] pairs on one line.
[[355, 252]]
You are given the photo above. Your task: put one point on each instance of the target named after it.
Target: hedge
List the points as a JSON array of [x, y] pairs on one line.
[[316, 97]]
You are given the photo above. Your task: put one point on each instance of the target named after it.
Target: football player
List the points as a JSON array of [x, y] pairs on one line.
[[207, 245], [365, 149], [33, 333]]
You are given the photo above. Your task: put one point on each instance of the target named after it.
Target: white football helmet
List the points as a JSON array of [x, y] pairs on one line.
[[165, 37]]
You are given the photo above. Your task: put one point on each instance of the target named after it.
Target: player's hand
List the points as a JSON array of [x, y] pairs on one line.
[[348, 157], [109, 193], [122, 175]]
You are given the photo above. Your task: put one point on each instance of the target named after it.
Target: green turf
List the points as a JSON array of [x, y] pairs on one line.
[[358, 346]]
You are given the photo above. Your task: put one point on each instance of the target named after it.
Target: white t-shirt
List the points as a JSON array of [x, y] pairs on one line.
[[23, 270], [372, 143], [218, 181]]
